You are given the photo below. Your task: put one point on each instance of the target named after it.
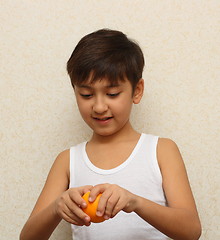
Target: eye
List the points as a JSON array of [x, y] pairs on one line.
[[86, 95], [112, 95]]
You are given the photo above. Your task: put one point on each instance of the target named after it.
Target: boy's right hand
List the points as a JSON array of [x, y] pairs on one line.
[[69, 206]]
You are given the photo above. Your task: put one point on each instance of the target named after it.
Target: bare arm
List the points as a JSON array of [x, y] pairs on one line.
[[56, 202], [179, 220]]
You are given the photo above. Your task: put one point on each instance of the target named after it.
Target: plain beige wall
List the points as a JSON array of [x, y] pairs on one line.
[[38, 113]]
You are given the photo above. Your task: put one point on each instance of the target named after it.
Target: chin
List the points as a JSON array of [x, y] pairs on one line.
[[105, 133]]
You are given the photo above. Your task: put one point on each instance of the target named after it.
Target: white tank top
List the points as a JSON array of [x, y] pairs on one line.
[[139, 174]]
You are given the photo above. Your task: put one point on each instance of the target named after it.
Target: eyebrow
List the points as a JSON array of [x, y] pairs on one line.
[[84, 86], [108, 86]]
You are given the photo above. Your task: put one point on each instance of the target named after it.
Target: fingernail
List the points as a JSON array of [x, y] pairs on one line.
[[106, 217], [98, 213], [83, 205], [90, 199]]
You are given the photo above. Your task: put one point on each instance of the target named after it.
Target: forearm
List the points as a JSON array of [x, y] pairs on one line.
[[41, 225], [178, 224]]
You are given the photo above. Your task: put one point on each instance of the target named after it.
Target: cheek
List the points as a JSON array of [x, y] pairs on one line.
[[83, 108], [123, 107]]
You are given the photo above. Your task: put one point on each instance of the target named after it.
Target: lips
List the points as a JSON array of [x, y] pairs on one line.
[[102, 119]]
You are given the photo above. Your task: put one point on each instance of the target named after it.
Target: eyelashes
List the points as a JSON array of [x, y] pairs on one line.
[[85, 95], [111, 95]]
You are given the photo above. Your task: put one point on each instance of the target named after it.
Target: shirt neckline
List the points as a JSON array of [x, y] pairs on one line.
[[95, 169]]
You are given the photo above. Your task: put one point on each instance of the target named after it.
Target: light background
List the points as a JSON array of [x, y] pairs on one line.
[[38, 113]]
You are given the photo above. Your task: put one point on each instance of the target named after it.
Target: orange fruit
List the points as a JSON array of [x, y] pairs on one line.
[[91, 208]]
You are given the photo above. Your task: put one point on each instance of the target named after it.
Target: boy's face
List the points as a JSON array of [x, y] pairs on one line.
[[104, 107]]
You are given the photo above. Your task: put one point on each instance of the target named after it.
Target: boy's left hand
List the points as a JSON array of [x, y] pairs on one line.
[[114, 199]]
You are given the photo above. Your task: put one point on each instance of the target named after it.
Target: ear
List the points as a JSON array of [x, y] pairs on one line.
[[138, 92]]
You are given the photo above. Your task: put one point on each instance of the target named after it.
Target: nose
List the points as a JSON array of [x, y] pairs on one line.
[[100, 105]]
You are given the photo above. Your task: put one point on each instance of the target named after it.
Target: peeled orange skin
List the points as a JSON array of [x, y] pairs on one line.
[[91, 208]]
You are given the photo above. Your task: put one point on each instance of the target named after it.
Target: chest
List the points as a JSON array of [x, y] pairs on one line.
[[111, 156]]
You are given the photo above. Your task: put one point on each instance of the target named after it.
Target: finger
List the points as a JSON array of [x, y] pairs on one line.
[[74, 219], [78, 221], [73, 209], [111, 205], [100, 188], [67, 214], [117, 208], [106, 203], [71, 218], [86, 189], [76, 197], [78, 214]]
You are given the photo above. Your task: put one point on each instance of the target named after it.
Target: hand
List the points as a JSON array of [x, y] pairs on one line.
[[69, 206], [114, 199]]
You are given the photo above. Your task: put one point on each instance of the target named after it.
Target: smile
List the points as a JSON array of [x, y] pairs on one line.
[[102, 119]]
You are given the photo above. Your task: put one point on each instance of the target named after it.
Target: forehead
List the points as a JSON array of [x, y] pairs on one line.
[[103, 83]]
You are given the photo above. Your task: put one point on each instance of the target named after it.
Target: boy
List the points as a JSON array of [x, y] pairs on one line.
[[142, 178]]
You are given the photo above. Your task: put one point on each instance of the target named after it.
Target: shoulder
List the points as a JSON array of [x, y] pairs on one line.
[[63, 157], [168, 153], [61, 163], [165, 145]]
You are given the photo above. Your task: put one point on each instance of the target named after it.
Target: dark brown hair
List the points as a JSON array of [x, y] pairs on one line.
[[106, 54]]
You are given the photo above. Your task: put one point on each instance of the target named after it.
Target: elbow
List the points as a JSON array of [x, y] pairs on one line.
[[195, 228], [21, 236], [195, 233]]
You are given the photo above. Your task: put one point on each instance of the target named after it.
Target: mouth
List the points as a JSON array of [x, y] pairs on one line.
[[102, 119]]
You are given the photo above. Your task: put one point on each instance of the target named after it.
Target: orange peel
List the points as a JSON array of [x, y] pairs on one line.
[[91, 208]]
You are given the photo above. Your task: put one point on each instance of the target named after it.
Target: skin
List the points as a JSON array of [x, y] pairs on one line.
[[106, 109]]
